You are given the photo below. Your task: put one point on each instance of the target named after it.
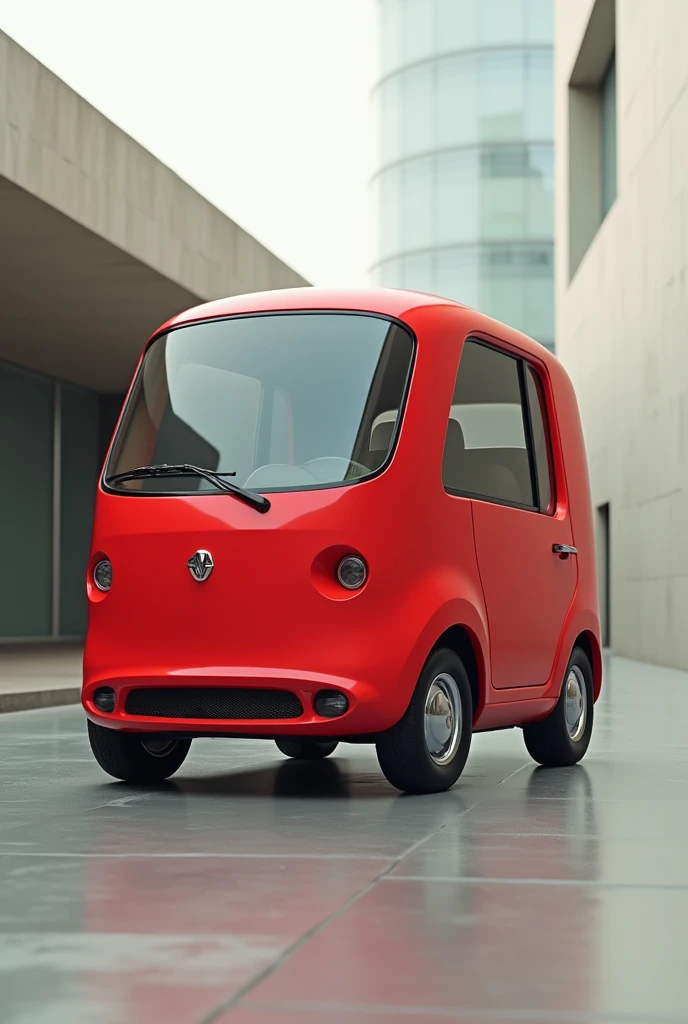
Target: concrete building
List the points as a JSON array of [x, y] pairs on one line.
[[99, 243], [621, 88], [466, 164]]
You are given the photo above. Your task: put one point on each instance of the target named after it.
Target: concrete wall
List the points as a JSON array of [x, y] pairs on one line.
[[64, 151], [622, 320]]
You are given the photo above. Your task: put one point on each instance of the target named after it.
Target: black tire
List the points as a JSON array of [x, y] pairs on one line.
[[306, 749], [124, 756], [403, 751], [549, 741]]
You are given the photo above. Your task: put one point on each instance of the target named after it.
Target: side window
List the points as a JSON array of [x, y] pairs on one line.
[[541, 446], [485, 451]]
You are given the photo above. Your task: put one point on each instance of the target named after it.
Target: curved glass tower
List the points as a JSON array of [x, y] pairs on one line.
[[464, 189]]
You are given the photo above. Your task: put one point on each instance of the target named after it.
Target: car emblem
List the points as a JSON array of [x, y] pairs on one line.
[[201, 565]]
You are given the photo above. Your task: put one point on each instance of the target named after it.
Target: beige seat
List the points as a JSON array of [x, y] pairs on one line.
[[454, 462], [381, 437], [476, 470], [497, 481], [380, 442]]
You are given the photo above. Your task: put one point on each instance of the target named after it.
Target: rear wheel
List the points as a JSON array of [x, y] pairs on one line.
[[144, 759], [563, 737], [306, 749], [426, 751]]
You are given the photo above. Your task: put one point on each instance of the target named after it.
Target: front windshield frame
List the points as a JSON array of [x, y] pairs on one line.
[[120, 491]]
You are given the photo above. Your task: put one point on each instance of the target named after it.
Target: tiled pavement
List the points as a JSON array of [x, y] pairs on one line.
[[255, 890]]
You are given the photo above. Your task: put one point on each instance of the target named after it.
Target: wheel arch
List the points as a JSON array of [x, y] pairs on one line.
[[589, 643], [460, 639]]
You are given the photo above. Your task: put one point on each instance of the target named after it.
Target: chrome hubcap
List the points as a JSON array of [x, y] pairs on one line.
[[442, 719], [158, 748], [576, 703]]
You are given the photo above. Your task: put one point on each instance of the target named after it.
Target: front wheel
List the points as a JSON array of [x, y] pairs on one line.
[[306, 750], [426, 751], [143, 759], [563, 737]]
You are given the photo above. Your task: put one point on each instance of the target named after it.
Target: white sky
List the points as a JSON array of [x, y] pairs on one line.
[[263, 106]]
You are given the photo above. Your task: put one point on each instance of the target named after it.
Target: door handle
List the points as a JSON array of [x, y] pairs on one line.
[[564, 550]]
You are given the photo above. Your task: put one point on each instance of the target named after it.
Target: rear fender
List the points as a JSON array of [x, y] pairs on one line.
[[580, 621]]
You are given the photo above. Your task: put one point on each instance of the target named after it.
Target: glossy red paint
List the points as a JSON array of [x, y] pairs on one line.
[[436, 561]]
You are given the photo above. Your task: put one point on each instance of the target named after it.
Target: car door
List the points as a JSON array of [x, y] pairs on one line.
[[499, 403]]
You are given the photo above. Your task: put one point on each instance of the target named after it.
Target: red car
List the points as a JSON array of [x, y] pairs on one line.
[[332, 517]]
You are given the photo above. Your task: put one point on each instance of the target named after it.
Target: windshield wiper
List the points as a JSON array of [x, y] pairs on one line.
[[257, 501]]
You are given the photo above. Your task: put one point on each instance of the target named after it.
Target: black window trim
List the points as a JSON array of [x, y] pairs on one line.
[[122, 492], [528, 433], [550, 509], [523, 363]]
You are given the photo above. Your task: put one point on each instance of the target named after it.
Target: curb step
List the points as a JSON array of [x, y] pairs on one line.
[[28, 700]]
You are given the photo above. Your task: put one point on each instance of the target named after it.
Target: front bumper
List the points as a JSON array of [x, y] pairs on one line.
[[370, 708]]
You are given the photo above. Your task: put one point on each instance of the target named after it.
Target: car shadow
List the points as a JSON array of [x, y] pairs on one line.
[[331, 779]]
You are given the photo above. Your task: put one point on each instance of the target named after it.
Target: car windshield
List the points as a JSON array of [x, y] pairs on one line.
[[283, 401]]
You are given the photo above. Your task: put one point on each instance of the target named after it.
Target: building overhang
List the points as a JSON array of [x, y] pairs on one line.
[[100, 242]]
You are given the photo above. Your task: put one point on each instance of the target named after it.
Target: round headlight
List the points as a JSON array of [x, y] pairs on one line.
[[352, 572], [102, 574]]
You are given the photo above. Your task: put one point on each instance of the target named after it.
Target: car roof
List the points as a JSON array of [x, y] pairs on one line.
[[394, 302], [388, 301]]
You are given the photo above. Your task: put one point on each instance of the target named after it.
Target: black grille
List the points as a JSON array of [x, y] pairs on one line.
[[212, 702]]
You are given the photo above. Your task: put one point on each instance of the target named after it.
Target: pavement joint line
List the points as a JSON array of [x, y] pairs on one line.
[[460, 1013], [198, 856], [228, 1005], [573, 882], [234, 1001]]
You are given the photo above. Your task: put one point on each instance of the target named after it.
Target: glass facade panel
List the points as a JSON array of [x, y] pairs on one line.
[[538, 284], [418, 272], [416, 198], [26, 511], [390, 273], [390, 212], [478, 206], [390, 36], [491, 96], [457, 272], [414, 30], [539, 99], [417, 134], [390, 120], [464, 196], [80, 462], [457, 197], [417, 30], [456, 24], [539, 22], [502, 93], [502, 207], [539, 208], [500, 22], [456, 101]]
